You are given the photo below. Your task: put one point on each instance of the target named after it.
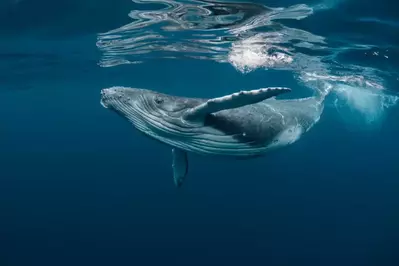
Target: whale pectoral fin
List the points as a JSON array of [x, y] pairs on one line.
[[180, 166], [234, 100]]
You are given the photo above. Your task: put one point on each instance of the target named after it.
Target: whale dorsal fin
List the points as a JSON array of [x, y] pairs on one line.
[[234, 100]]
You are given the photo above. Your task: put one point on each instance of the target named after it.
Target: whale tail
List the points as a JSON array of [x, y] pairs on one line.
[[322, 93]]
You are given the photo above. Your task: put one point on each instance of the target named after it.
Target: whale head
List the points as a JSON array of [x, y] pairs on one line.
[[157, 115]]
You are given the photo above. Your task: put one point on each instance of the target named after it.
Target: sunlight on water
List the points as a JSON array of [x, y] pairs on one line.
[[257, 52], [327, 4], [251, 36], [195, 30]]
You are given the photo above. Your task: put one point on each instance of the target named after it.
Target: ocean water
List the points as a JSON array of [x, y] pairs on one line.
[[80, 186]]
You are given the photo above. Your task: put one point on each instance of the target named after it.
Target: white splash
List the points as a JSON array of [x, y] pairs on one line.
[[357, 80], [327, 4], [252, 53], [370, 104], [358, 99]]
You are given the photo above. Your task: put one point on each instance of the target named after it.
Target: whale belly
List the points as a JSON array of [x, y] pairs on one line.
[[287, 137]]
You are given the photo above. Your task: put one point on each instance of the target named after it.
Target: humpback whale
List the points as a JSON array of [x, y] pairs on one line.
[[244, 124]]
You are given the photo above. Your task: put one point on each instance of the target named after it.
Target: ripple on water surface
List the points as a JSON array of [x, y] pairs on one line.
[[251, 36]]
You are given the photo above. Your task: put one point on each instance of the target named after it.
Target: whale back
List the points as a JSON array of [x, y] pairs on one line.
[[262, 123]]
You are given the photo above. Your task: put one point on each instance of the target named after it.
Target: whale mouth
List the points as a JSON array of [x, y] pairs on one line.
[[103, 103]]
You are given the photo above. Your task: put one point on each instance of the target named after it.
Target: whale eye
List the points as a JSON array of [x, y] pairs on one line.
[[158, 100]]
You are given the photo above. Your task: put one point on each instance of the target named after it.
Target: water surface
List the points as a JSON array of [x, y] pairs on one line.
[[79, 186]]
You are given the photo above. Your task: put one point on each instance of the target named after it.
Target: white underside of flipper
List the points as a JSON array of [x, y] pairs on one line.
[[180, 166]]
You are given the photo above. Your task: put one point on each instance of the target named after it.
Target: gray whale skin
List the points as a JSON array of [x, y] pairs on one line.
[[244, 124]]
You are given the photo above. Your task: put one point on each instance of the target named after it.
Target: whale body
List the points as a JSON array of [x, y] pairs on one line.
[[245, 124]]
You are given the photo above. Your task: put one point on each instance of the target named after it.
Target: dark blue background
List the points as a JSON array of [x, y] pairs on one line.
[[79, 186]]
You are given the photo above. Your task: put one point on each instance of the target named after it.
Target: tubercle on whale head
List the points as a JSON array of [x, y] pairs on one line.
[[113, 95], [150, 109], [157, 115], [152, 101]]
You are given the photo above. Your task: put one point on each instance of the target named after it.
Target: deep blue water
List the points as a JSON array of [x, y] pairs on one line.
[[79, 186]]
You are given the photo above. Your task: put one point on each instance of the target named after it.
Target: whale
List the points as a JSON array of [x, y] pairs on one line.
[[244, 124]]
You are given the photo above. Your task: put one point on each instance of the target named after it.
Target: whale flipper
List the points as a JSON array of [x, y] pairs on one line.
[[234, 100], [180, 166]]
